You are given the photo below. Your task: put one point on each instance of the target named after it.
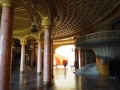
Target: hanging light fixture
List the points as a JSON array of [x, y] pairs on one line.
[[34, 24], [34, 30], [34, 4]]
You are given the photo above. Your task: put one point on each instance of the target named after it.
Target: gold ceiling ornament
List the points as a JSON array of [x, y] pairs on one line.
[[46, 22], [6, 3]]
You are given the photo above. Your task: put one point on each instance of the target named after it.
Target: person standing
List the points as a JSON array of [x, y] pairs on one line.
[[34, 64], [65, 64]]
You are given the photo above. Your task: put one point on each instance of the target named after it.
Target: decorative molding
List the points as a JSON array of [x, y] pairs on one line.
[[99, 37], [46, 22], [78, 16]]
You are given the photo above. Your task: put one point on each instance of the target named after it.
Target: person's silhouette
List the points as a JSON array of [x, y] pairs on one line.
[[34, 64], [65, 64]]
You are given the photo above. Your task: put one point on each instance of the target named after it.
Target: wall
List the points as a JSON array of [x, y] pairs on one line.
[[102, 67], [90, 55]]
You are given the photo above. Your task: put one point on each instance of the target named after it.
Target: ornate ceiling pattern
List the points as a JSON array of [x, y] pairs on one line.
[[25, 13], [80, 14], [74, 16], [20, 17]]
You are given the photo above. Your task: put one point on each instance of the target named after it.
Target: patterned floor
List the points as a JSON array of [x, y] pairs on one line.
[[64, 79]]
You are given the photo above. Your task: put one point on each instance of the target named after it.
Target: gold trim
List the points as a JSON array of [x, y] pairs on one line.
[[46, 23], [22, 42], [6, 3]]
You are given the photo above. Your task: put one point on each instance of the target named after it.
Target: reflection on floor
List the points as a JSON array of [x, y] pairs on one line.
[[64, 79]]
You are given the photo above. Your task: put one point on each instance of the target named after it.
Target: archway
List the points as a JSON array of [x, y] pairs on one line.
[[64, 54], [16, 53]]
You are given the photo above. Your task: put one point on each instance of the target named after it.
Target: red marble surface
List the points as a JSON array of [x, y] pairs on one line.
[[5, 47], [47, 56]]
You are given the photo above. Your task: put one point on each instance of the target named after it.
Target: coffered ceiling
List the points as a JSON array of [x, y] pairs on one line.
[[72, 17], [77, 15]]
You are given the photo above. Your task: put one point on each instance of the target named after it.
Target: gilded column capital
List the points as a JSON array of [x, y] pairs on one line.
[[23, 43], [38, 41], [6, 3], [46, 22]]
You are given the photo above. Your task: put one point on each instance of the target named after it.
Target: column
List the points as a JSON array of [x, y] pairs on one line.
[[47, 53], [76, 59], [22, 61], [6, 33], [52, 56], [39, 58], [81, 58], [85, 57]]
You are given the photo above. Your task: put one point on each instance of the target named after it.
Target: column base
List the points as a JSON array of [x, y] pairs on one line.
[[21, 71], [47, 83], [39, 72]]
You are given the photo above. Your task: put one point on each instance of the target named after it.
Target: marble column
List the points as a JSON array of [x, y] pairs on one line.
[[76, 59], [22, 61], [85, 57], [52, 56], [79, 58], [39, 58], [82, 57], [6, 33], [47, 53]]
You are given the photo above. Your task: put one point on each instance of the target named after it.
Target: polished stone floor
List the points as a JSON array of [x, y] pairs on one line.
[[64, 79]]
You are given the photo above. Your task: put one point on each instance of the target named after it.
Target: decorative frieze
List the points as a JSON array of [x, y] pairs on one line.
[[104, 36]]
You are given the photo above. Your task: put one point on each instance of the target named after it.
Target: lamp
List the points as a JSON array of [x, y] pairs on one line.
[[34, 24], [34, 30]]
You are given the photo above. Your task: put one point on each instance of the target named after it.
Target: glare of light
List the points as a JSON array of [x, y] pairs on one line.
[[65, 51]]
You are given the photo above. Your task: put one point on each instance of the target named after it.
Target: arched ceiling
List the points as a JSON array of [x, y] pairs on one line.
[[77, 15], [26, 13], [74, 16]]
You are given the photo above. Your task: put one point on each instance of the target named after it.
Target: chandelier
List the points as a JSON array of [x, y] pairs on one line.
[[34, 24], [34, 4], [34, 29]]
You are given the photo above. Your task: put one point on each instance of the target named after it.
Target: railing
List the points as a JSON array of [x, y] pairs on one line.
[[98, 37]]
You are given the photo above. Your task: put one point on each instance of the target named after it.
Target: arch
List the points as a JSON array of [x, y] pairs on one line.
[[16, 37], [34, 18], [64, 53], [28, 35]]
